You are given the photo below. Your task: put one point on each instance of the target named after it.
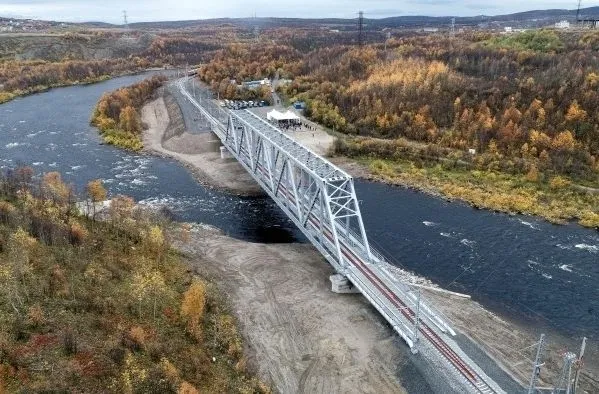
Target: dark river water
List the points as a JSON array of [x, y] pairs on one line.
[[519, 265]]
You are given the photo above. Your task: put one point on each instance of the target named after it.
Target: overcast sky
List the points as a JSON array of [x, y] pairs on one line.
[[154, 10]]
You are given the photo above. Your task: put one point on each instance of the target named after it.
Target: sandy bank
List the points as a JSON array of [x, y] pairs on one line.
[[199, 152], [301, 337]]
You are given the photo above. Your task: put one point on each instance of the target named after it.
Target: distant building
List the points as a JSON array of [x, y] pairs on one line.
[[562, 25], [256, 84], [430, 29], [508, 29]]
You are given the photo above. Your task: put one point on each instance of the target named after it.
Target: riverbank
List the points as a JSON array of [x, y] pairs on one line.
[[6, 96], [512, 194], [557, 200], [167, 135]]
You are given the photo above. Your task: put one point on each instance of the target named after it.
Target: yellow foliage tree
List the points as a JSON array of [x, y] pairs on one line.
[[55, 188], [155, 239], [129, 120], [564, 141], [96, 193], [147, 285], [193, 306], [575, 113]]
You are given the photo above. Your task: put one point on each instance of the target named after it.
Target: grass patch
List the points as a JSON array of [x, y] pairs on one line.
[[532, 40], [557, 203]]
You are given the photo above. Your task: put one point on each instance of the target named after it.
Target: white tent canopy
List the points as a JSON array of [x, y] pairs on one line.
[[280, 116]]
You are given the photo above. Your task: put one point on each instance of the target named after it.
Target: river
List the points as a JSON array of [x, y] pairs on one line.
[[518, 265]]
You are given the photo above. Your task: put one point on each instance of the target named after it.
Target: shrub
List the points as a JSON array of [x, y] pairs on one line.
[[559, 182], [35, 316], [187, 388], [78, 234], [135, 338], [533, 174], [69, 342]]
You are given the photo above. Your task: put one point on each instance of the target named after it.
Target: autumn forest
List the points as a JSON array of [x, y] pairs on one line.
[[523, 105]]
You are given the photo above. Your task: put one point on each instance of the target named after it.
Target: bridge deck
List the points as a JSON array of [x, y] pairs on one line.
[[310, 160]]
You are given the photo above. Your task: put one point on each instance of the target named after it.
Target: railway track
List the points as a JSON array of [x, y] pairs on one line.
[[460, 366]]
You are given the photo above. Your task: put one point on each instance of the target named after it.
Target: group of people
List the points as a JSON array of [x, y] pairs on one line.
[[299, 126]]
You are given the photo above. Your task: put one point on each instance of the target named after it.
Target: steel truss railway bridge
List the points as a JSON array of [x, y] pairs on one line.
[[320, 199]]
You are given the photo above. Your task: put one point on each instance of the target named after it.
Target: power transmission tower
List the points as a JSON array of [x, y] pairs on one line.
[[564, 382], [578, 12], [536, 366], [416, 325], [256, 28], [126, 24], [256, 33], [361, 28]]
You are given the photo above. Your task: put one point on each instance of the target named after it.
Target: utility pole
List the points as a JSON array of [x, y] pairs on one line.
[[361, 28], [579, 364], [388, 37], [452, 28], [578, 12], [416, 325], [536, 366]]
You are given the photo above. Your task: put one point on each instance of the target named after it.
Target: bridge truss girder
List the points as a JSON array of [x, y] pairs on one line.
[[318, 197]]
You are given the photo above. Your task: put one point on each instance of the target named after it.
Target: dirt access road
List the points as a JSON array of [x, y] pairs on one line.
[[167, 135]]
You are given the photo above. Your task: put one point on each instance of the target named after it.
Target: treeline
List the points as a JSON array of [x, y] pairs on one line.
[[18, 78], [104, 306], [534, 102], [117, 114], [179, 50]]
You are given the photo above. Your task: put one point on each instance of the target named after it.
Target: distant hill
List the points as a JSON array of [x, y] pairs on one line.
[[535, 18]]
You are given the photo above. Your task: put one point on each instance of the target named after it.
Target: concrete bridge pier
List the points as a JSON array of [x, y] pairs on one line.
[[224, 153], [341, 285]]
